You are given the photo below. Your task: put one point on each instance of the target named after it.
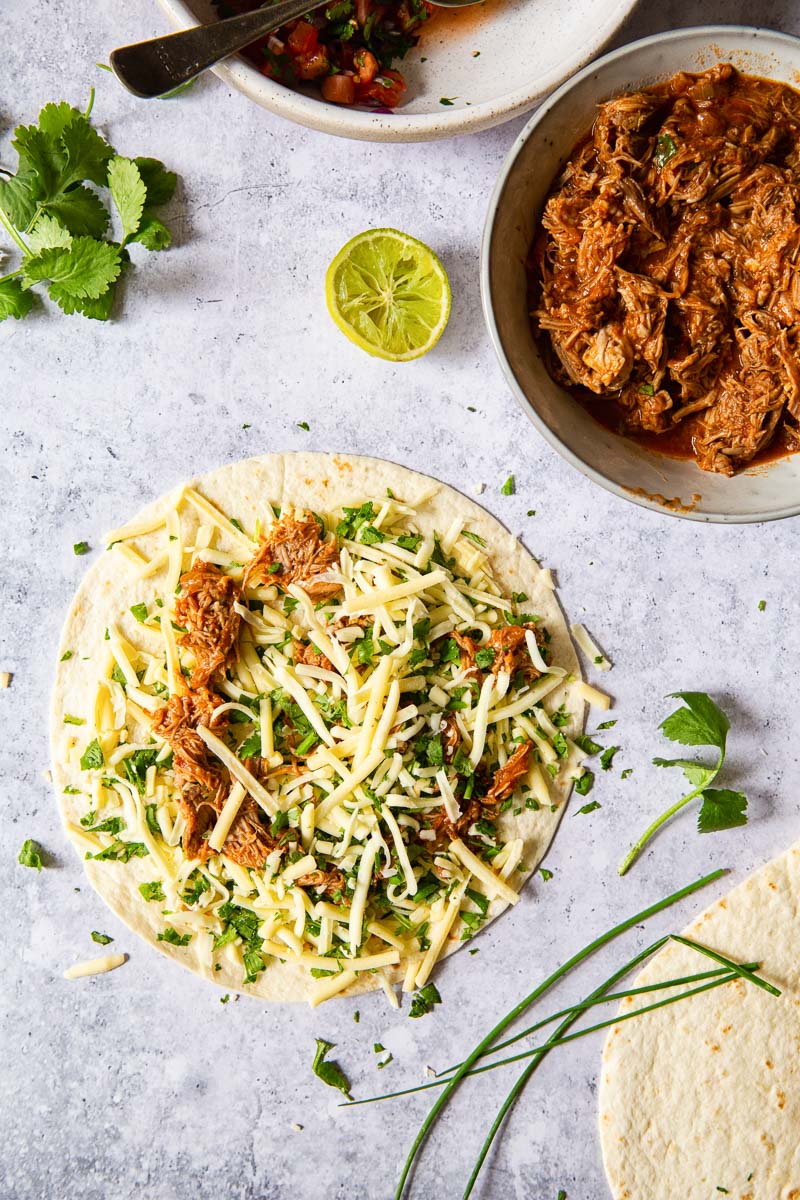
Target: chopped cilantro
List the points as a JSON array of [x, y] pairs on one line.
[[590, 807], [762, 604], [584, 783], [102, 939], [152, 891], [140, 612], [607, 757], [70, 720], [92, 757], [329, 1072], [607, 724], [303, 425], [173, 937], [424, 999], [31, 855], [66, 655], [508, 487], [545, 874], [80, 548]]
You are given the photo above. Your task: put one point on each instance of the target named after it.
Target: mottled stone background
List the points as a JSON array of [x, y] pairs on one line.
[[140, 1084]]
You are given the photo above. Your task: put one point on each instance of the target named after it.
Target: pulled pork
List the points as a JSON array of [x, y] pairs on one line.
[[667, 272], [176, 722], [510, 650], [294, 552], [205, 610], [205, 783], [505, 780]]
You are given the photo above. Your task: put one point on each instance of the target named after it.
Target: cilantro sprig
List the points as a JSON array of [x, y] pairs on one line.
[[54, 210], [699, 722]]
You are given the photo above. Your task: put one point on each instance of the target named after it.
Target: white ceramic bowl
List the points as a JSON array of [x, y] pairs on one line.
[[526, 48], [616, 463]]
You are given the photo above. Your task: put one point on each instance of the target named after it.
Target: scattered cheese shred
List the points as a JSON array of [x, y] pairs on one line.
[[593, 696], [95, 966], [495, 885], [589, 647], [226, 818]]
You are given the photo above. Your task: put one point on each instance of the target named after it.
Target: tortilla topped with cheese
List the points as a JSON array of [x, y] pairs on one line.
[[313, 724]]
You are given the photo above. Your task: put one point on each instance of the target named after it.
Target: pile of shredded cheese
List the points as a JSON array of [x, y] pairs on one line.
[[372, 793]]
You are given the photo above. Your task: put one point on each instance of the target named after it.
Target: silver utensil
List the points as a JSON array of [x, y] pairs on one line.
[[158, 66]]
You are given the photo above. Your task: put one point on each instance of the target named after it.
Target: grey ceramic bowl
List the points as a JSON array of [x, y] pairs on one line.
[[760, 494]]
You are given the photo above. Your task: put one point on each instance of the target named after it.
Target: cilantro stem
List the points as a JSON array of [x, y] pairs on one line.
[[11, 231], [10, 275], [637, 847], [485, 1044], [90, 105]]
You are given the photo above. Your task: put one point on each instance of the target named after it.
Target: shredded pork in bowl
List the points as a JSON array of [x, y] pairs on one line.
[[641, 272], [666, 272]]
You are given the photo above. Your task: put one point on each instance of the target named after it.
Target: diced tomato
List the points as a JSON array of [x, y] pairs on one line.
[[339, 89], [312, 65], [386, 90], [366, 65], [303, 38]]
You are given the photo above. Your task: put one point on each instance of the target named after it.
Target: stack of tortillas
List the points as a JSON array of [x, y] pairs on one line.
[[702, 1098]]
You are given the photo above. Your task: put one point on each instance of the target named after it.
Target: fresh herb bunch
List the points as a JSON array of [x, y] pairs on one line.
[[700, 722], [59, 223]]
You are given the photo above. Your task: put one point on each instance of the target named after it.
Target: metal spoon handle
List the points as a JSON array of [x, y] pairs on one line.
[[152, 68]]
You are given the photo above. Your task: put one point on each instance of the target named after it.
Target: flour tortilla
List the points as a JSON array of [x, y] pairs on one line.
[[705, 1094], [323, 483]]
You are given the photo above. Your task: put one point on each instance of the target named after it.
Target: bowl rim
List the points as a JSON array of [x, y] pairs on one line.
[[495, 199], [376, 127]]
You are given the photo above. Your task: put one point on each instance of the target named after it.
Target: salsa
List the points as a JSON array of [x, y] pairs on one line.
[[348, 48]]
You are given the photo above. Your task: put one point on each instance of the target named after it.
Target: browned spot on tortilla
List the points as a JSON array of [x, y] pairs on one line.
[[727, 1028], [781, 1099], [768, 1063]]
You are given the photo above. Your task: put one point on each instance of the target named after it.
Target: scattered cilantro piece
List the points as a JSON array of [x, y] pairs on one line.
[[762, 604], [92, 757], [173, 937], [140, 612], [66, 656], [119, 851], [584, 784], [665, 150], [329, 1072], [303, 425], [80, 548], [607, 724], [473, 537], [590, 807], [356, 1016], [607, 757], [485, 657], [508, 487], [587, 745], [70, 720], [152, 891], [698, 722], [545, 874], [389, 1058], [531, 512], [224, 999], [424, 999], [102, 939], [447, 101], [626, 774], [31, 855]]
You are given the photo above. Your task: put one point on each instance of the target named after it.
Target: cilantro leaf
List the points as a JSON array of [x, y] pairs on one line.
[[54, 118], [584, 784], [16, 198], [84, 270], [31, 855], [129, 194], [153, 234], [15, 301], [81, 211], [700, 723], [152, 891], [92, 757], [41, 159], [173, 937], [159, 182], [607, 757], [424, 999], [587, 744], [48, 234], [329, 1072], [721, 809], [695, 772], [102, 939], [86, 154]]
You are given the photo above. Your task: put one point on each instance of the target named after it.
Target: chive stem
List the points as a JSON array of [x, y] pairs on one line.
[[607, 998], [743, 970], [523, 1005]]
